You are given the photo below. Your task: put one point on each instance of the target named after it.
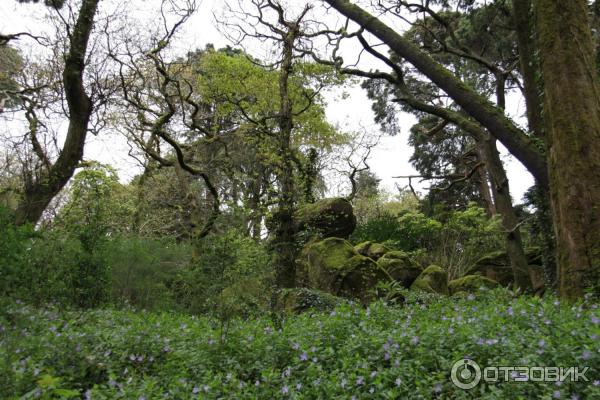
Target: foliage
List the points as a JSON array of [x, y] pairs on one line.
[[13, 248], [229, 276], [454, 240], [11, 63], [379, 203], [98, 204], [375, 353], [142, 271]]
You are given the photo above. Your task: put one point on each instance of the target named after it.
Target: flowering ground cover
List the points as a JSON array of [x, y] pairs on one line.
[[381, 352]]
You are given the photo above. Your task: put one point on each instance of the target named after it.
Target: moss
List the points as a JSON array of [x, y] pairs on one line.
[[299, 300], [470, 284], [334, 266], [372, 250], [397, 255], [363, 248], [433, 279], [495, 258], [333, 217], [362, 279], [332, 254], [400, 267]]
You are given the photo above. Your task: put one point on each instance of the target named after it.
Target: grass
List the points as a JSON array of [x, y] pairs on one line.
[[381, 352]]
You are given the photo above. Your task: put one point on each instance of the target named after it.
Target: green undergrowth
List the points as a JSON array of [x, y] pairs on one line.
[[381, 352]]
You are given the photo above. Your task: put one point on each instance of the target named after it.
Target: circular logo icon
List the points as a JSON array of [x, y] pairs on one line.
[[466, 374]]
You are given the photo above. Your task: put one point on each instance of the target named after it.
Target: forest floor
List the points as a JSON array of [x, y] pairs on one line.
[[381, 352]]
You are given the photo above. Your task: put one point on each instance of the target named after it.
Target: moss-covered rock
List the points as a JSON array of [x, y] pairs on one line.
[[326, 262], [372, 250], [299, 300], [361, 281], [496, 266], [400, 267], [333, 217], [433, 279], [332, 265], [471, 284]]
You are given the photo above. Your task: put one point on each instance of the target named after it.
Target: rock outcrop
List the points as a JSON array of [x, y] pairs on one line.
[[372, 250], [299, 300], [333, 217], [400, 267], [496, 266], [332, 265], [433, 279], [471, 284]]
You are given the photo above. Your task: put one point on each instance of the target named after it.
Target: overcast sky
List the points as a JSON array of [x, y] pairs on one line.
[[390, 158]]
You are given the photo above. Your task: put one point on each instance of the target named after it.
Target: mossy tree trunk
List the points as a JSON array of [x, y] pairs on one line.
[[529, 68], [503, 202], [284, 235], [572, 122]]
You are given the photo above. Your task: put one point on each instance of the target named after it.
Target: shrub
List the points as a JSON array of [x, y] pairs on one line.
[[142, 270], [455, 243], [229, 276]]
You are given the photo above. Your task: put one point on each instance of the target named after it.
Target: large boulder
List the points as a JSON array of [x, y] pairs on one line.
[[471, 284], [333, 217], [332, 265], [496, 266], [433, 279], [372, 250], [299, 300], [400, 267]]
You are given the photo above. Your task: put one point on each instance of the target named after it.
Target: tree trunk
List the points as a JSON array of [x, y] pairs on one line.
[[484, 189], [572, 121], [522, 13], [39, 193], [284, 240], [529, 65], [254, 222], [510, 222], [476, 105]]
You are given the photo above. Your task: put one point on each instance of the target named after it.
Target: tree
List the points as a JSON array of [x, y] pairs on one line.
[[49, 3], [97, 204], [49, 177], [563, 36], [450, 148], [11, 63], [274, 23], [572, 122], [475, 104]]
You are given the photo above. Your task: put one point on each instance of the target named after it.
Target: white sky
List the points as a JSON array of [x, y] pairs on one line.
[[390, 158]]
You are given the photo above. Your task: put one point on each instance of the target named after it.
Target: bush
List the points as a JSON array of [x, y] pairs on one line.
[[143, 270], [52, 266], [456, 243], [14, 242], [229, 276]]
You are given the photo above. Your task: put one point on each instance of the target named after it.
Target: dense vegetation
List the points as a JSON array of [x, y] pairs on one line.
[[255, 254], [380, 352]]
